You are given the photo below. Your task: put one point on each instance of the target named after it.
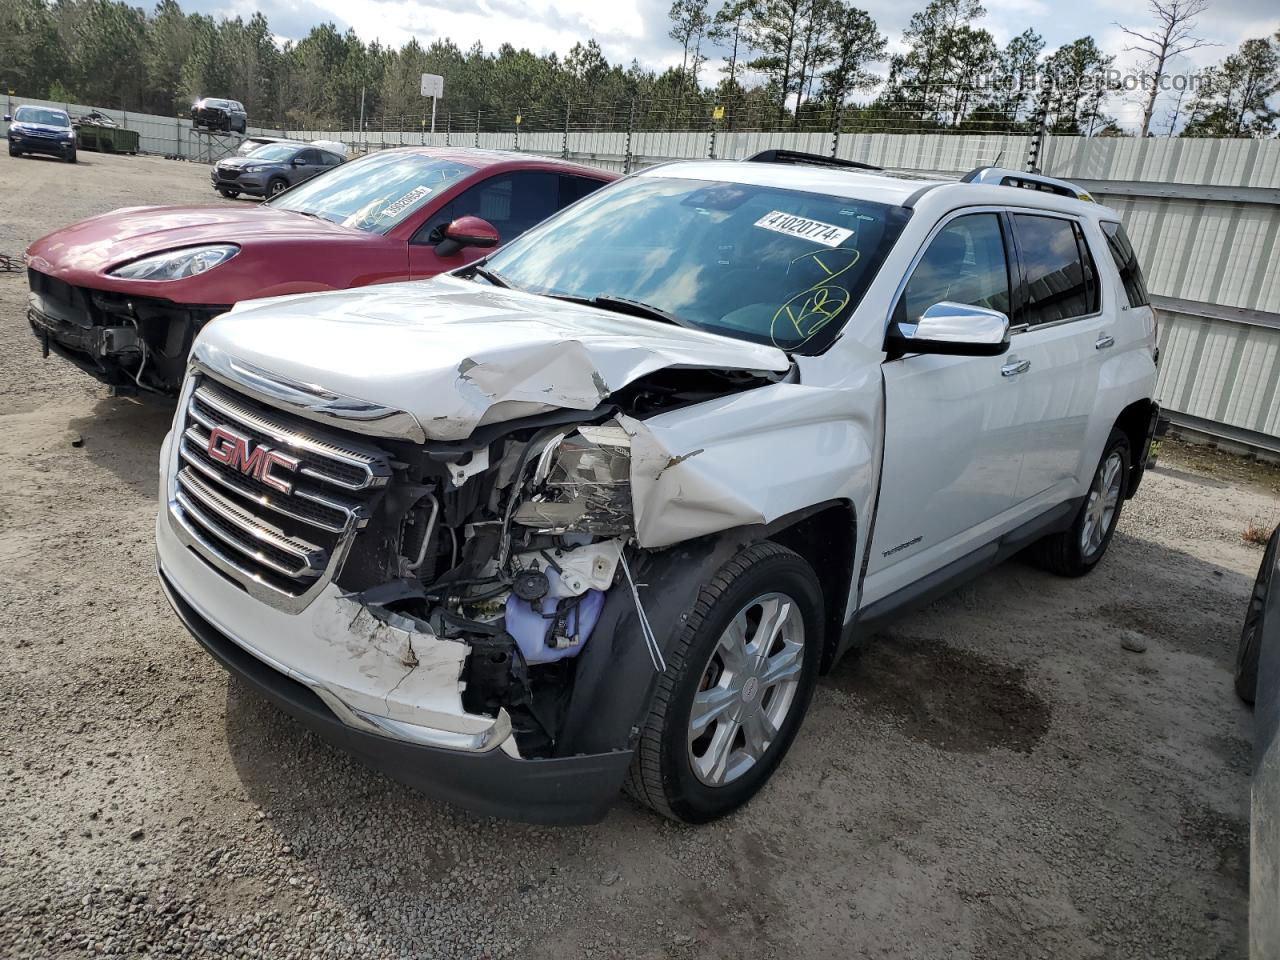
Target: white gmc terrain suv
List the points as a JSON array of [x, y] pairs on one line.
[[595, 512]]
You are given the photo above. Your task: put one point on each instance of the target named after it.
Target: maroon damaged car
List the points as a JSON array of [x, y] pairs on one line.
[[123, 295]]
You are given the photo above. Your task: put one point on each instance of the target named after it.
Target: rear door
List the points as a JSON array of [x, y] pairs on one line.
[[951, 451], [1060, 334]]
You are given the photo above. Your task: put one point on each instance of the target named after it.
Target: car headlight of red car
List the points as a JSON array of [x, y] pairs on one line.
[[177, 264]]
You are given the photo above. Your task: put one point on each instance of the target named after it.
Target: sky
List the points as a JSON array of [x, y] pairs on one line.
[[627, 29]]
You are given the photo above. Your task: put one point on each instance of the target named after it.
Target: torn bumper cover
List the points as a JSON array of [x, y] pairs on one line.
[[433, 746]]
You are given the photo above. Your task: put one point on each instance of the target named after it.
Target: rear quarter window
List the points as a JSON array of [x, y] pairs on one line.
[[1126, 261]]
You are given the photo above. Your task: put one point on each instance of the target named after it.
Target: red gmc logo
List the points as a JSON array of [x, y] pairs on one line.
[[258, 462]]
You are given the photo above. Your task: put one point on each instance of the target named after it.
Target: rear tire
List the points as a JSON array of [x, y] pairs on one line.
[[1250, 649], [751, 703], [1076, 551]]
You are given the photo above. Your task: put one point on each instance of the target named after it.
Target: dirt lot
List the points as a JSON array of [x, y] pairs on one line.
[[997, 777]]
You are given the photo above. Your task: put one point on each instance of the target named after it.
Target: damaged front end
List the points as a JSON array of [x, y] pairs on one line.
[[512, 548], [500, 584], [464, 594], [130, 343]]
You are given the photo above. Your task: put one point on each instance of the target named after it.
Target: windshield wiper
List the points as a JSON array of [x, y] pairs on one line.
[[637, 308], [494, 278]]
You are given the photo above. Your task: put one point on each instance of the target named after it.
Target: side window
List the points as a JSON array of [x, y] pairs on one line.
[[573, 189], [310, 157], [512, 202], [965, 263], [1126, 260], [432, 232], [1057, 268], [329, 159]]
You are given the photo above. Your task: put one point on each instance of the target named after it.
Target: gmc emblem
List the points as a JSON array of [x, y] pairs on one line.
[[258, 462]]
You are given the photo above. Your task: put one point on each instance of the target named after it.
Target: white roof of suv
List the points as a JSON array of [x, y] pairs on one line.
[[833, 181], [988, 185]]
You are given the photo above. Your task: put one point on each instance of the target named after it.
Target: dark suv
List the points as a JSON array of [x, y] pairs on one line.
[[41, 130], [271, 169], [228, 115]]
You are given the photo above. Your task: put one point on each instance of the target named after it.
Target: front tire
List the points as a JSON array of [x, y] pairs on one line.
[[738, 682], [1076, 551], [276, 187], [71, 157], [1250, 648], [229, 194]]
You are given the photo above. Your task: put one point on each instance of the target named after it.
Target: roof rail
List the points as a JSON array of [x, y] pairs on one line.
[[812, 159], [1026, 181]]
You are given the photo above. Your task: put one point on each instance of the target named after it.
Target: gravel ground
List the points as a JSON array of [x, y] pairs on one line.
[[998, 776]]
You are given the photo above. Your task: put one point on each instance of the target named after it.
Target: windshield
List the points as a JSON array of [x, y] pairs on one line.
[[758, 263], [207, 102], [376, 192], [52, 118], [275, 152]]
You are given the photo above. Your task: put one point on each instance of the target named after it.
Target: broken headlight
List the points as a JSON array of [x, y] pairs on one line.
[[587, 487]]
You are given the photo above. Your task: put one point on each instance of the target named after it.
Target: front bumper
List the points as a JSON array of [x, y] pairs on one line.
[[42, 145], [212, 118], [253, 184], [329, 677]]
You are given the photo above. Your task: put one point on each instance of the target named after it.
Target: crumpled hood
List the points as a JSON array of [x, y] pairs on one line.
[[102, 242], [458, 354]]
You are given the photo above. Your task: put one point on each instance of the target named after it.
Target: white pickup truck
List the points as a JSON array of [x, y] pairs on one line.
[[597, 511]]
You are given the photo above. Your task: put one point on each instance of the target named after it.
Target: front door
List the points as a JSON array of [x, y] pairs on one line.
[[952, 452]]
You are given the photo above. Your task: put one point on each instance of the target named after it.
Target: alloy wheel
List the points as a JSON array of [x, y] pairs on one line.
[[748, 687], [1104, 501]]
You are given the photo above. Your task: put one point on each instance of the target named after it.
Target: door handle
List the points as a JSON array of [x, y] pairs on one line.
[[1015, 367], [1104, 341]]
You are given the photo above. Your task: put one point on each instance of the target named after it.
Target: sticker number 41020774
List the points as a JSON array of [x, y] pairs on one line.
[[827, 234]]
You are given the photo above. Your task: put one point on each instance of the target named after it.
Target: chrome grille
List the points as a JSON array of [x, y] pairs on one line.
[[286, 541]]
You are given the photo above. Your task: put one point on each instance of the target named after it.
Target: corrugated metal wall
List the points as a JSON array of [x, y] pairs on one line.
[[1204, 216], [1221, 372]]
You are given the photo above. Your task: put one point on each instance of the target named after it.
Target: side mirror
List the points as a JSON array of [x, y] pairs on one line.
[[7, 118], [298, 162], [467, 232], [956, 329]]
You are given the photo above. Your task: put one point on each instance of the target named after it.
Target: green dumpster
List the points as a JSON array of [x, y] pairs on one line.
[[92, 136]]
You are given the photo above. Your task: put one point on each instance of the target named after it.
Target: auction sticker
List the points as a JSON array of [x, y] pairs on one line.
[[408, 200], [826, 234]]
